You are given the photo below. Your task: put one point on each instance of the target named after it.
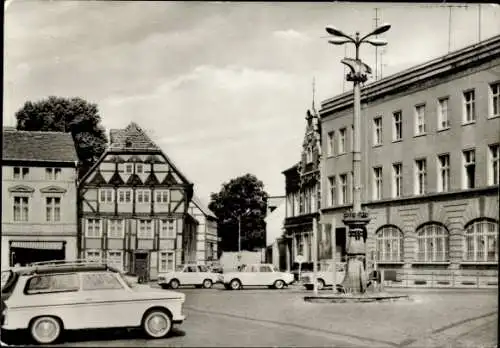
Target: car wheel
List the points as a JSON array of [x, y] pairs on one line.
[[321, 284], [157, 323], [174, 284], [207, 283], [46, 330], [235, 284], [279, 284]]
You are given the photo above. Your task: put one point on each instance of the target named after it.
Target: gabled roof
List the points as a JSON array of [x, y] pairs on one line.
[[129, 140], [204, 208], [38, 146]]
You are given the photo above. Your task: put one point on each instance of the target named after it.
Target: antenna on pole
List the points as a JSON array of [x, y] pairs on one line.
[[450, 7], [479, 21], [313, 93], [344, 67], [376, 48]]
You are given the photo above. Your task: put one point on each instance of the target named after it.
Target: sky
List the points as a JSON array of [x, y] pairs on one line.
[[222, 87]]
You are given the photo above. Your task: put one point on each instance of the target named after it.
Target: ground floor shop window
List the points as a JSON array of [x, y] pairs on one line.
[[481, 238], [432, 243], [115, 259], [167, 263], [93, 255], [389, 244]]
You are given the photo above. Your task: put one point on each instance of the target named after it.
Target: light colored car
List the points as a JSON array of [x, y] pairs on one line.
[[189, 274], [48, 299], [324, 276], [257, 275]]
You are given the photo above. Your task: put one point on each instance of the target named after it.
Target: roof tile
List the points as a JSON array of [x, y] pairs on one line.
[[38, 146]]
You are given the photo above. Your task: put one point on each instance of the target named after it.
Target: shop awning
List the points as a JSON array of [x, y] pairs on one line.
[[37, 245]]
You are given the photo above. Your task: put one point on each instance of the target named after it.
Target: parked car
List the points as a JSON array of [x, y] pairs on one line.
[[48, 299], [298, 269], [189, 274], [257, 275], [324, 276]]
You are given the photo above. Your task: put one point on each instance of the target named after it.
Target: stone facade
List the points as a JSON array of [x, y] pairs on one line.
[[430, 138]]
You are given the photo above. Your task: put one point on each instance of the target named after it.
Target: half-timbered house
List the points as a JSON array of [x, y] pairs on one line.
[[133, 207]]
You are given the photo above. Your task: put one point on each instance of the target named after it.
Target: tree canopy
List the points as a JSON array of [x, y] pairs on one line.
[[243, 197], [74, 115]]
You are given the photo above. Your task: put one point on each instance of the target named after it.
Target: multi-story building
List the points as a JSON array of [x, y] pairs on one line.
[[206, 233], [39, 216], [430, 163], [133, 206], [302, 194]]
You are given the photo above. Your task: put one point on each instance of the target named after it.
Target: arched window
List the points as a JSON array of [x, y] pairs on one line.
[[481, 240], [389, 244], [432, 242]]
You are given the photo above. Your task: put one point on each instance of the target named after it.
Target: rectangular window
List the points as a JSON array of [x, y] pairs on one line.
[[397, 180], [342, 136], [377, 131], [162, 196], [397, 127], [143, 196], [93, 255], [343, 189], [145, 229], [469, 106], [332, 189], [443, 121], [124, 196], [377, 183], [52, 173], [139, 168], [443, 173], [495, 99], [93, 228], [116, 228], [21, 173], [168, 228], [493, 161], [53, 209], [469, 171], [106, 195], [21, 208], [331, 144], [420, 119], [420, 176], [167, 261], [53, 283], [115, 259], [129, 168]]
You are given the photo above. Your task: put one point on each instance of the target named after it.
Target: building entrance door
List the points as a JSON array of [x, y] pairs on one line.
[[141, 266]]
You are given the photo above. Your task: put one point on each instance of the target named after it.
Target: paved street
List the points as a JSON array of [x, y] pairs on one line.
[[263, 317]]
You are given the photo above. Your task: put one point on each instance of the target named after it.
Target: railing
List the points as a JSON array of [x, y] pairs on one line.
[[443, 279]]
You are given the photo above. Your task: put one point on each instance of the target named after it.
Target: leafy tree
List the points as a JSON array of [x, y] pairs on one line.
[[74, 115], [242, 197]]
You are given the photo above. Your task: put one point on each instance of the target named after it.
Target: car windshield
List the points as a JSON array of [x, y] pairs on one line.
[[179, 268], [129, 282], [6, 275], [275, 269]]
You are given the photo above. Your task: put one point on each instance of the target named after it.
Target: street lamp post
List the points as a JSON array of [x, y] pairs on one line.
[[356, 219]]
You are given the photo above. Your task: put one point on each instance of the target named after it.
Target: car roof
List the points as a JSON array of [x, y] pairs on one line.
[[63, 267]]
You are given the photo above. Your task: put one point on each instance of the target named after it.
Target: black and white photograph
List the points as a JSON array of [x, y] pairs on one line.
[[250, 174]]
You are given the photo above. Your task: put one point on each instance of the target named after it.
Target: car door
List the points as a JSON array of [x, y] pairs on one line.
[[58, 294], [107, 302], [190, 275], [267, 276], [204, 273]]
